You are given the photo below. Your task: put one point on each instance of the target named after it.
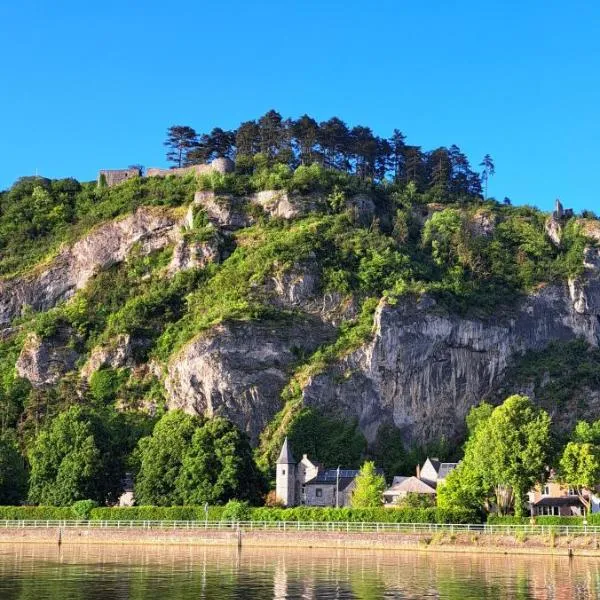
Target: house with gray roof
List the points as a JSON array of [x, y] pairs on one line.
[[427, 478]]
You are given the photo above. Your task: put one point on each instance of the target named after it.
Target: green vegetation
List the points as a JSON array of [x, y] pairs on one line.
[[422, 225], [79, 455], [189, 460], [369, 487], [505, 455], [37, 215]]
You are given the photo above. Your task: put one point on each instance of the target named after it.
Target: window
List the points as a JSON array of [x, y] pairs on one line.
[[283, 471], [546, 490], [572, 492], [319, 493]]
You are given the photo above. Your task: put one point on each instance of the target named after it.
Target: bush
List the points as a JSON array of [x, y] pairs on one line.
[[32, 513], [82, 509], [541, 520], [236, 511], [369, 515], [157, 513]]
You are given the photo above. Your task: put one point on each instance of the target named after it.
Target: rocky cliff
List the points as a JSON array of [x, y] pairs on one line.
[[421, 368]]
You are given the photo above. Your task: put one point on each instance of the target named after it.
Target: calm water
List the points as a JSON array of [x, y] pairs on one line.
[[182, 573]]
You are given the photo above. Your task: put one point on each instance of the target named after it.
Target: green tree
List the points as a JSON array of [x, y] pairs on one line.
[[76, 457], [218, 465], [505, 456], [579, 465], [161, 457], [13, 476], [331, 441], [489, 170], [181, 139], [369, 487]]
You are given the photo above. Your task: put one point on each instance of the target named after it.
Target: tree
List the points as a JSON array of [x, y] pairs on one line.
[[580, 468], [505, 456], [216, 144], [190, 460], [161, 457], [488, 171], [369, 487], [273, 135], [397, 154], [218, 466], [306, 132], [76, 457], [333, 441], [334, 139], [13, 476], [181, 139]]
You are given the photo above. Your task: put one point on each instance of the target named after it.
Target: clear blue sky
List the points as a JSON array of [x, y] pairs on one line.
[[89, 85]]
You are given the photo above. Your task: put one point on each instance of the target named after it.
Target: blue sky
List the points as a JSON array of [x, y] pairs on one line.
[[89, 85]]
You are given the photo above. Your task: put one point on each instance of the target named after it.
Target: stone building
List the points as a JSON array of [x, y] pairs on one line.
[[115, 176], [310, 484]]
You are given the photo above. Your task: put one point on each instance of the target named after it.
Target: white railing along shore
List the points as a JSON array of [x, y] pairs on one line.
[[310, 526]]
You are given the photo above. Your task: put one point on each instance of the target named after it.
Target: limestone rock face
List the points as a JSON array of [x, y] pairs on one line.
[[193, 255], [75, 265], [238, 370], [44, 362], [483, 223], [424, 369], [231, 212], [119, 353], [224, 210], [554, 230], [585, 291]]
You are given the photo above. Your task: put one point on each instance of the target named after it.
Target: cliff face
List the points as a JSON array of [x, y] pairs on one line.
[[238, 370], [424, 369], [75, 265]]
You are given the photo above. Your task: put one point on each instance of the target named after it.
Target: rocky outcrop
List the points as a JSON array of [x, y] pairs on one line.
[[191, 254], [104, 246], [43, 362], [120, 352], [424, 368], [238, 369], [553, 229], [231, 212]]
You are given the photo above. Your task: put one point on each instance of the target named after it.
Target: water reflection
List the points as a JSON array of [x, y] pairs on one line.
[[29, 572]]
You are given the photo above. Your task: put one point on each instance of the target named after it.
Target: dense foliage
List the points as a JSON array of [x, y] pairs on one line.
[[428, 229], [505, 455], [189, 460]]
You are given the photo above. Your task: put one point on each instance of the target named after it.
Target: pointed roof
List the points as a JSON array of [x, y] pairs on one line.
[[285, 456]]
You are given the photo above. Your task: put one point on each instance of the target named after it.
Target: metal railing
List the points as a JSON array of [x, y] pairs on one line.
[[311, 526]]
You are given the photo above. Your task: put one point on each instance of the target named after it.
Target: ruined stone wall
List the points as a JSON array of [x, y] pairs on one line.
[[116, 176]]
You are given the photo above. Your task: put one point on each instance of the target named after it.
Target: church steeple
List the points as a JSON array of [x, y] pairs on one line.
[[285, 476], [285, 456]]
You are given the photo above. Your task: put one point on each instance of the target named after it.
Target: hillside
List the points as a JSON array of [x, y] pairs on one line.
[[358, 316]]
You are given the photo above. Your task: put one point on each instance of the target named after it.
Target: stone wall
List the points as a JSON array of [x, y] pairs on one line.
[[116, 176]]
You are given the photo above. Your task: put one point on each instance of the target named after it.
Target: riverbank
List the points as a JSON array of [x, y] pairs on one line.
[[477, 542]]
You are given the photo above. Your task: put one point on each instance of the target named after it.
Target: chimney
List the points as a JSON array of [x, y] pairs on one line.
[[418, 472], [305, 457]]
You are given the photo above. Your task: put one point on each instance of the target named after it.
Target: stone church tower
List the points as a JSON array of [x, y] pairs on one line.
[[285, 477]]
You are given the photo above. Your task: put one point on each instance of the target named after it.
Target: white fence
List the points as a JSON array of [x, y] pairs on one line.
[[317, 526]]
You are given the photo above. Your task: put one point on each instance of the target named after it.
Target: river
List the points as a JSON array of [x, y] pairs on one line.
[[38, 572]]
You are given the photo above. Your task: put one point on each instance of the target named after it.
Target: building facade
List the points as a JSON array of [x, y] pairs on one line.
[[307, 483]]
